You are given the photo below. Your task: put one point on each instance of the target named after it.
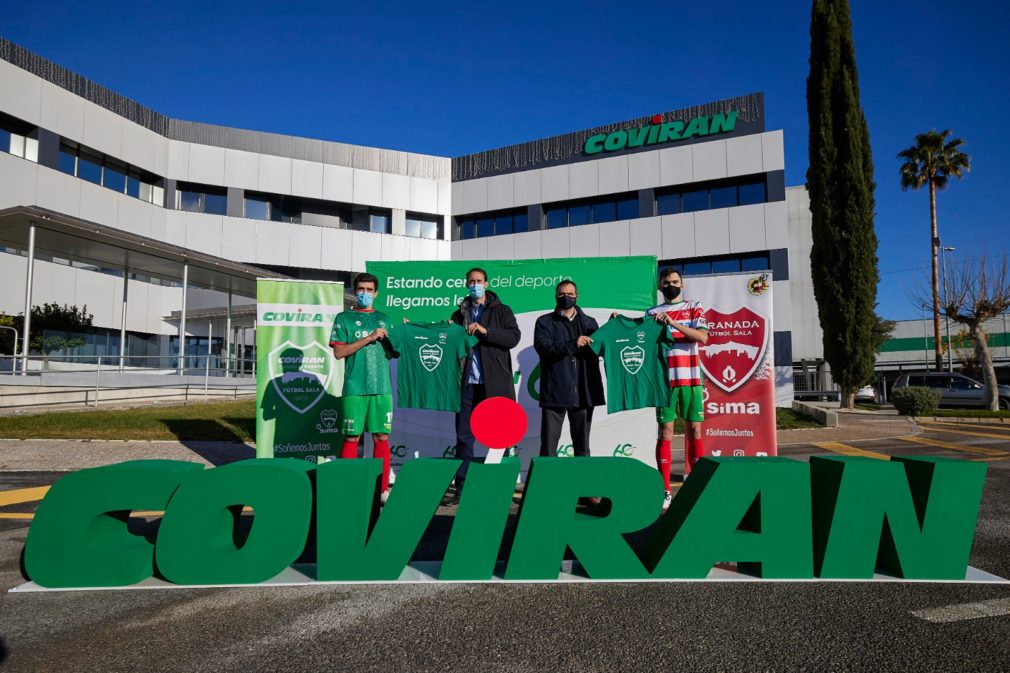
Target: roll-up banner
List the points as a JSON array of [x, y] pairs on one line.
[[429, 291], [298, 382], [738, 363]]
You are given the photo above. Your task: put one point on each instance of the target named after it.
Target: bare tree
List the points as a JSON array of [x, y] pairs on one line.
[[978, 290]]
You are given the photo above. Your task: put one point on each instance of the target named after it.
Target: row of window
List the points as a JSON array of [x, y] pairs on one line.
[[668, 201], [97, 168], [692, 198], [699, 266], [278, 208], [16, 137]]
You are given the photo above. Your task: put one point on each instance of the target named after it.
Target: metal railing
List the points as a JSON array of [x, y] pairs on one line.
[[112, 372]]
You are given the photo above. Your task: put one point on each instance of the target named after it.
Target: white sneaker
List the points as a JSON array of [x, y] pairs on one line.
[[383, 497], [667, 499]]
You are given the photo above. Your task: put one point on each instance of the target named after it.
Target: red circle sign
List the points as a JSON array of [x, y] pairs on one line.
[[498, 422]]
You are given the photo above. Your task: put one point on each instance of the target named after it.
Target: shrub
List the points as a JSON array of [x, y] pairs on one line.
[[916, 401]]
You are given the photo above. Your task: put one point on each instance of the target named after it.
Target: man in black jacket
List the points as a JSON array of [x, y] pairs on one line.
[[570, 381], [487, 371]]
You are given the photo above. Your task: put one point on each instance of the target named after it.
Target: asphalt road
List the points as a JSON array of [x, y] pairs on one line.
[[758, 626]]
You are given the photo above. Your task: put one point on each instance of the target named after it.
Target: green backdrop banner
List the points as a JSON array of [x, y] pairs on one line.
[[298, 381], [428, 291], [433, 290]]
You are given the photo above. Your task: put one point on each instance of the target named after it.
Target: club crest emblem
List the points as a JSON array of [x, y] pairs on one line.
[[328, 417], [431, 356], [632, 358], [736, 345], [300, 374]]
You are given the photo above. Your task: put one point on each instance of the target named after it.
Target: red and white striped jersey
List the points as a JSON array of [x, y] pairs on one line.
[[683, 359]]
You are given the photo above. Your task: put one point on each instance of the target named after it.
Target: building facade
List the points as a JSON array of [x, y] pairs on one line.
[[702, 189]]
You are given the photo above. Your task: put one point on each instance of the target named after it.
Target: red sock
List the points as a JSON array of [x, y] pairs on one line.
[[381, 450], [350, 448], [663, 459], [692, 451]]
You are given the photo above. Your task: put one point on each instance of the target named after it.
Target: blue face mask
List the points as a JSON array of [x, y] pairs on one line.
[[364, 299], [476, 291]]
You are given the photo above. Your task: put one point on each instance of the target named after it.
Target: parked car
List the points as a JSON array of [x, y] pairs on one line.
[[867, 394], [956, 390]]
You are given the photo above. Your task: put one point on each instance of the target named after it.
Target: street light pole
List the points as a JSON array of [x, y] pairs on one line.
[[946, 318]]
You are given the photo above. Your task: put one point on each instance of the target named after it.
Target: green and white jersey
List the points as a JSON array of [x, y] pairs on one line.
[[430, 368], [633, 353], [367, 371]]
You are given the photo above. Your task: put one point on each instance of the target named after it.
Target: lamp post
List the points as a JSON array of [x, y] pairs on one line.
[[946, 318]]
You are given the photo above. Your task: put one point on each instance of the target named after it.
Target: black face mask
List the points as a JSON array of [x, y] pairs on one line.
[[565, 302], [670, 292]]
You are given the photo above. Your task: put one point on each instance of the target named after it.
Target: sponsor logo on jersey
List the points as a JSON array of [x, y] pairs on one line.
[[632, 358], [431, 356]]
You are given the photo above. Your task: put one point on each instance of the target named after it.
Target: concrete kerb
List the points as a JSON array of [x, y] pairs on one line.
[[826, 417], [974, 420]]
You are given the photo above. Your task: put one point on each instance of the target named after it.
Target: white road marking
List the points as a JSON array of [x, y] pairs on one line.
[[960, 612]]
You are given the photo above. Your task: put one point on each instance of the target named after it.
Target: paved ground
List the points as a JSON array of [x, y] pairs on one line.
[[589, 627]]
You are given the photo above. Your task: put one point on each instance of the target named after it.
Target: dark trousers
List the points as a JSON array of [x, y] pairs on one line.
[[579, 422], [470, 396]]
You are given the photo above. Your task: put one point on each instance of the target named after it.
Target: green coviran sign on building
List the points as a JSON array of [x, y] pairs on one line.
[[658, 133]]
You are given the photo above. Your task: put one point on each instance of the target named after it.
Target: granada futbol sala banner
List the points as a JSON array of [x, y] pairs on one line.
[[737, 363]]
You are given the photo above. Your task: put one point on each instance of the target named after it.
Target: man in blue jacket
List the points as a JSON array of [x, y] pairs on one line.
[[570, 381]]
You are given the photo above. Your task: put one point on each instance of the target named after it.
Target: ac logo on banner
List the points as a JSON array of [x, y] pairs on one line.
[[736, 345], [300, 373]]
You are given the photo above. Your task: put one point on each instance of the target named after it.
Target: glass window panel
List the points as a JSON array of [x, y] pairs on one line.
[[752, 193], [725, 265], [520, 223], [257, 209], [114, 179], [668, 204], [412, 228], [724, 197], [502, 225], [697, 268], [557, 218], [216, 204], [604, 212], [191, 201], [32, 149], [133, 187], [16, 145], [754, 263], [429, 229], [627, 209], [5, 141], [157, 195], [379, 223], [68, 162], [485, 227], [468, 229], [578, 215], [694, 201], [89, 168]]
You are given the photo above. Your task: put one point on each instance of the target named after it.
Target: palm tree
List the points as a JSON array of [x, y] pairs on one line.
[[931, 161]]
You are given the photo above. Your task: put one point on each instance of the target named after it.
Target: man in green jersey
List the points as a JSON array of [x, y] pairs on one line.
[[359, 338]]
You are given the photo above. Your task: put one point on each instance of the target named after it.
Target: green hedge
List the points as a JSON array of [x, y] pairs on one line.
[[916, 401]]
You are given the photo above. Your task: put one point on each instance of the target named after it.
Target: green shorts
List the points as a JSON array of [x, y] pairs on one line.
[[366, 413], [686, 402]]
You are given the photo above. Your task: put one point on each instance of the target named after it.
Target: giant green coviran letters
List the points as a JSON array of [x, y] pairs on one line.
[[196, 541], [753, 511], [353, 541], [79, 536], [548, 520], [911, 517]]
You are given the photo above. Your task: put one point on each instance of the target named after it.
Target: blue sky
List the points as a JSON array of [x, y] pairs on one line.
[[450, 79]]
